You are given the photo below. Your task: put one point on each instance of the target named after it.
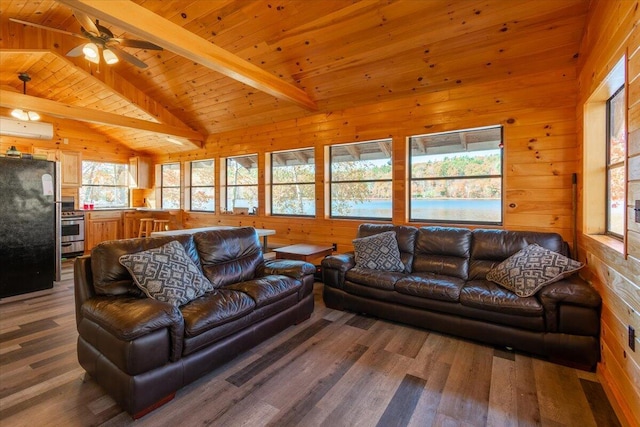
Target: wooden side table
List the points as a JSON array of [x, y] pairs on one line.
[[303, 252]]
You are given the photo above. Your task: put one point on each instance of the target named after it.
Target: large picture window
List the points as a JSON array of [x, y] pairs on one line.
[[293, 176], [616, 152], [361, 175], [242, 182], [170, 186], [456, 177], [202, 194], [105, 185]]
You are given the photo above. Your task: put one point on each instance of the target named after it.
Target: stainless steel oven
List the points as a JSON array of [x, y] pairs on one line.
[[71, 229]]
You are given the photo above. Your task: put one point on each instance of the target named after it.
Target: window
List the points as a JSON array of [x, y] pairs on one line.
[[170, 186], [106, 185], [457, 176], [242, 182], [616, 151], [293, 188], [361, 180], [202, 194]]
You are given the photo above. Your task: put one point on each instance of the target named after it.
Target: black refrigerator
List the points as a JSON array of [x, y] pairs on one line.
[[29, 225]]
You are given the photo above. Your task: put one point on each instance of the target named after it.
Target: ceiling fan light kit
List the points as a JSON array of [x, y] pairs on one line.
[[109, 57], [90, 50], [100, 38]]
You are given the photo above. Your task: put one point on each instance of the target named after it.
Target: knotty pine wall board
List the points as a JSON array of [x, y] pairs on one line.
[[611, 32]]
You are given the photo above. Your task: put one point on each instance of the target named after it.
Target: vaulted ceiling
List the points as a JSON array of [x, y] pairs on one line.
[[230, 64]]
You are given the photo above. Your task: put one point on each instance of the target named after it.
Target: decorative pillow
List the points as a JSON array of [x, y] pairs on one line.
[[167, 274], [378, 252], [528, 270]]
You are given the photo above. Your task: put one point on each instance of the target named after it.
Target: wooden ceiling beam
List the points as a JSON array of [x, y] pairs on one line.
[[9, 99], [156, 29]]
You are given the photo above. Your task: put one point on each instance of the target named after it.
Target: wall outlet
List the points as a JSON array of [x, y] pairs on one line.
[[632, 338], [637, 210]]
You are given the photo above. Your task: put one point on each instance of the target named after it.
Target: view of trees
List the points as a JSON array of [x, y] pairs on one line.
[[616, 174], [170, 188], [473, 164], [202, 186], [242, 182], [293, 190], [105, 185]]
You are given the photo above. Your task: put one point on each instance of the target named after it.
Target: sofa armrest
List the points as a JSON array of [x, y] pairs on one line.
[[335, 267], [82, 283], [572, 291], [292, 268], [128, 318]]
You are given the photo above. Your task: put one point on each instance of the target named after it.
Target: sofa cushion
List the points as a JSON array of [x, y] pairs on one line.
[[527, 271], [405, 236], [378, 252], [166, 274], [374, 278], [112, 278], [487, 295], [215, 309], [443, 250], [431, 285], [229, 256], [491, 247], [268, 289]]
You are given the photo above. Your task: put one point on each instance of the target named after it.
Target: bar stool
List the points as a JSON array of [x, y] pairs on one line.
[[160, 224], [146, 227]]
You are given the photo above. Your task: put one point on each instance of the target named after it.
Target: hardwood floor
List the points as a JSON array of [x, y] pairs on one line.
[[336, 369]]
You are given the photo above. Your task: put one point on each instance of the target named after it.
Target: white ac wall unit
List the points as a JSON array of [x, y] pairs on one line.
[[25, 129]]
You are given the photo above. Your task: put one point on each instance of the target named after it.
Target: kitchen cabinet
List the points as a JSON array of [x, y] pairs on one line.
[[101, 226], [139, 172], [70, 164]]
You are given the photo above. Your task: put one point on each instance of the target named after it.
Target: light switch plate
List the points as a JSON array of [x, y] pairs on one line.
[[637, 210]]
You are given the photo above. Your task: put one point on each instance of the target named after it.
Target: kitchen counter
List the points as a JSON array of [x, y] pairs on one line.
[[133, 216], [156, 210]]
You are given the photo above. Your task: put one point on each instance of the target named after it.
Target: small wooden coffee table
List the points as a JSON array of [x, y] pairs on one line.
[[303, 251]]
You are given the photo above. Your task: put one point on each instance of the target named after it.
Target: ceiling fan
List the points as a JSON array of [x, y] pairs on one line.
[[99, 37]]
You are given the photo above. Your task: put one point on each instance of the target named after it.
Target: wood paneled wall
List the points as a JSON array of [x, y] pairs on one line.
[[538, 115], [610, 34], [69, 135]]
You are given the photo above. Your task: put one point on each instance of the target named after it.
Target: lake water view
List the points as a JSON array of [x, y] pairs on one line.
[[477, 210]]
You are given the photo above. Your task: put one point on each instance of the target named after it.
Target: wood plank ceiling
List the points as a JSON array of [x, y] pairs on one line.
[[341, 53]]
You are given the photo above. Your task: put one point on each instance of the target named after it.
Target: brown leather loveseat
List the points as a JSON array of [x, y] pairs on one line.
[[142, 350], [443, 287]]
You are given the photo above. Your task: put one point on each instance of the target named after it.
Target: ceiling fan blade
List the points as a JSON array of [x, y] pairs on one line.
[[139, 44], [76, 51], [86, 22], [121, 54], [44, 27]]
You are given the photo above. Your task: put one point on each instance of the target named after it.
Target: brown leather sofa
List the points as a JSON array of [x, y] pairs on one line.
[[141, 350], [443, 288]]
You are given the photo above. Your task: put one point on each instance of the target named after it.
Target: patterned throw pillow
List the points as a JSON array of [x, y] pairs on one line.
[[378, 252], [527, 271], [167, 274]]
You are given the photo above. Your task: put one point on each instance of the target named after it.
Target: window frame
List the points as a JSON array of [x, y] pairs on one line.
[[331, 181], [611, 166], [192, 187], [163, 186], [411, 179], [273, 184], [125, 186]]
